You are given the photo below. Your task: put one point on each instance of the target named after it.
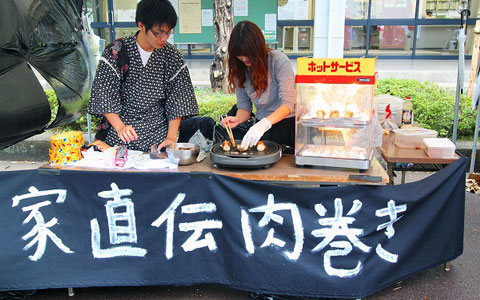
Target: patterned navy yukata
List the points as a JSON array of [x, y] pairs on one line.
[[151, 96]]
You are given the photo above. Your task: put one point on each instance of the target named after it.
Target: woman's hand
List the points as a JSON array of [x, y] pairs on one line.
[[241, 116], [127, 134], [255, 133], [230, 121]]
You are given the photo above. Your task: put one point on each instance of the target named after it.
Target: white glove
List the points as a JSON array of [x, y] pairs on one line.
[[255, 132]]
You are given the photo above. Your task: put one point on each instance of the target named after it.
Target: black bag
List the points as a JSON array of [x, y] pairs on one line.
[[119, 52], [189, 126]]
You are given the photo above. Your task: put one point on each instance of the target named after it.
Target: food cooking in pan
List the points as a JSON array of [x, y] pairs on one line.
[[227, 147], [261, 146]]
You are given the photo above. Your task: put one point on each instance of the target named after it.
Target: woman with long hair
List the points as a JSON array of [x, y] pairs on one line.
[[264, 77]]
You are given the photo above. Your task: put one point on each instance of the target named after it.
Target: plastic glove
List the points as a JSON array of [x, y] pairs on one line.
[[255, 132]]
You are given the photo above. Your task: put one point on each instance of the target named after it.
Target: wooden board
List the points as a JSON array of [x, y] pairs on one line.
[[284, 171], [475, 60]]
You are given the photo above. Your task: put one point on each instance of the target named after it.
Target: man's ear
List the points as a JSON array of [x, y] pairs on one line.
[[141, 26]]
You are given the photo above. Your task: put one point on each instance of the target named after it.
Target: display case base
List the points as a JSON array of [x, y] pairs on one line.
[[361, 164]]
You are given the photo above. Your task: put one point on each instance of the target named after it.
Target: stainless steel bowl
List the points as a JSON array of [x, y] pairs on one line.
[[186, 153]]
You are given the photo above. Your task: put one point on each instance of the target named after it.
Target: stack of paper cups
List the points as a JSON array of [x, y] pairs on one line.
[[65, 147]]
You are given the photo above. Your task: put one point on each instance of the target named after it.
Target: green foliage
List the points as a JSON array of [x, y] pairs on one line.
[[52, 100], [210, 103], [214, 104], [81, 123], [433, 106]]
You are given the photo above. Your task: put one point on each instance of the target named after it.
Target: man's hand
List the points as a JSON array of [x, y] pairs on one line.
[[127, 134], [255, 132], [165, 143]]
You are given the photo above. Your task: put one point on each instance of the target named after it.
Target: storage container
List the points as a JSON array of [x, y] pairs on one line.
[[439, 147], [396, 104], [412, 137]]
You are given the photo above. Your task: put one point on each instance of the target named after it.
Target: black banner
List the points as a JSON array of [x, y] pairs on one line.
[[85, 229]]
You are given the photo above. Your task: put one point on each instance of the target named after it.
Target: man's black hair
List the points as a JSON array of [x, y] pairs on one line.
[[156, 12]]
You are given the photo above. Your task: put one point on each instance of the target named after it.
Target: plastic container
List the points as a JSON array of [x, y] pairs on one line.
[[396, 104], [412, 137], [439, 147]]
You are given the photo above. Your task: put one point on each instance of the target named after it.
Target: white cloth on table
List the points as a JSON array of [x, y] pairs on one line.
[[135, 160]]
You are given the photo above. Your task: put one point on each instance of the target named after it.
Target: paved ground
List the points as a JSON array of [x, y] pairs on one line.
[[462, 282]]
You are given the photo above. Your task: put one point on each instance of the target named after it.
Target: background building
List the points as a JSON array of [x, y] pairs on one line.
[[418, 29]]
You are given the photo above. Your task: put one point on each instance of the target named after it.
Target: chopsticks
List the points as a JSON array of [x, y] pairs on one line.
[[230, 133]]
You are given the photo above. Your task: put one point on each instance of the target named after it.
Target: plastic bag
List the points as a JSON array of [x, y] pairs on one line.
[[204, 144]]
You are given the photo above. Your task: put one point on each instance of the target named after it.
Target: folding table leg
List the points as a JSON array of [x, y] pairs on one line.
[[390, 173], [446, 266], [71, 292]]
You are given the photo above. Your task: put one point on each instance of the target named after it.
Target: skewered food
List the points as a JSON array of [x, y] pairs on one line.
[[261, 146], [240, 149], [321, 114], [226, 146], [334, 114], [348, 114]]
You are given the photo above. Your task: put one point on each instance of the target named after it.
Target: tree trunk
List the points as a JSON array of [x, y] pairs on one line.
[[223, 26]]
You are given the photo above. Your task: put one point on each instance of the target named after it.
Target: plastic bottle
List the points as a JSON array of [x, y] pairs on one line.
[[407, 111]]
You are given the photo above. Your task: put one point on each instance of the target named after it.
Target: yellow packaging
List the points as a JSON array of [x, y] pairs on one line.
[[65, 147]]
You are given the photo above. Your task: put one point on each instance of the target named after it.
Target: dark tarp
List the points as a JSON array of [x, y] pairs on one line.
[[176, 228], [47, 35]]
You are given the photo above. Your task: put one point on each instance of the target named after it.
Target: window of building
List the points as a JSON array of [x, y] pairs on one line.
[[389, 32], [295, 39], [355, 40], [124, 10], [296, 36], [356, 9], [475, 8], [391, 40], [393, 9], [436, 40], [441, 9], [295, 9]]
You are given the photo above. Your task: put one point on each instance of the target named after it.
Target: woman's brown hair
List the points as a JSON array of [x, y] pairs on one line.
[[247, 40]]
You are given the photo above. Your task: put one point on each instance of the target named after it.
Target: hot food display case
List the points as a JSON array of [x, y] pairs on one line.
[[334, 112]]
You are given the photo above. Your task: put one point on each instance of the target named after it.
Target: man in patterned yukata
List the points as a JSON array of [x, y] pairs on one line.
[[145, 106]]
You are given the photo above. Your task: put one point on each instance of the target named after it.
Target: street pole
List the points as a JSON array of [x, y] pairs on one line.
[[462, 36], [328, 28]]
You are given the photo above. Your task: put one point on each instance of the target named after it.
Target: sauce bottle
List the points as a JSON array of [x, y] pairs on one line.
[[407, 111]]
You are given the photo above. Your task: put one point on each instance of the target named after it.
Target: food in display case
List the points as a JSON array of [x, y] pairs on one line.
[[336, 102], [334, 112]]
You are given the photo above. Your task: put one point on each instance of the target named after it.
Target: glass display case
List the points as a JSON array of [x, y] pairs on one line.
[[334, 112]]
